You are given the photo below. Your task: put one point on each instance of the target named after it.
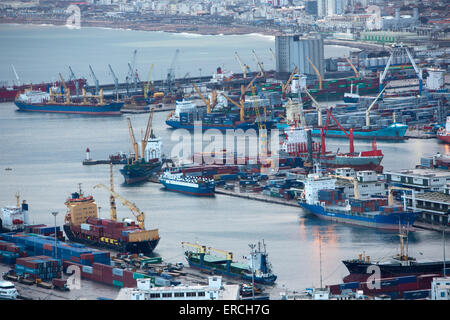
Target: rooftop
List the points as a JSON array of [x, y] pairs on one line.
[[426, 173]]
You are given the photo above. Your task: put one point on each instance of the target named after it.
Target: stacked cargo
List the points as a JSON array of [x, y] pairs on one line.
[[367, 205], [39, 267], [9, 252], [331, 197]]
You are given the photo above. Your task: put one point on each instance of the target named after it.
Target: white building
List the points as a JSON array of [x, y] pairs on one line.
[[440, 288]]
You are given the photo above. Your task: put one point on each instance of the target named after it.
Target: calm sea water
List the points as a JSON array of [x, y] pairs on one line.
[[45, 152]]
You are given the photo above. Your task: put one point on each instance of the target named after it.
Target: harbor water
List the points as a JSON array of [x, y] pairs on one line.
[[45, 153]]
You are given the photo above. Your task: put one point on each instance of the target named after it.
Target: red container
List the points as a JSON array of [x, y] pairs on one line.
[[75, 259]]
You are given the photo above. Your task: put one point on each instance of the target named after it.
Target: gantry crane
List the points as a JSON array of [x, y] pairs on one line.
[[139, 215], [357, 75], [260, 64], [244, 67], [355, 184], [371, 106], [319, 76]]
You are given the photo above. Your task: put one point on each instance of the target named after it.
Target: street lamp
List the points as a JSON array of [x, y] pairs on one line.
[[55, 213], [252, 247]]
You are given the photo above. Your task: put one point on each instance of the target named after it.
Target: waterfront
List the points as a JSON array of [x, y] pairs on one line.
[[45, 152]]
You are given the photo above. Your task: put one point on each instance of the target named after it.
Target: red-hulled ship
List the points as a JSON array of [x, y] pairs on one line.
[[444, 133], [10, 93]]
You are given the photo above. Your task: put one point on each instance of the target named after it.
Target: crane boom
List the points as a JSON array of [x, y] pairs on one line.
[[391, 196], [355, 184], [95, 80], [244, 67], [147, 133], [318, 107], [317, 73], [273, 55], [116, 81], [260, 64], [284, 86], [66, 90], [15, 73], [133, 140], [202, 249], [241, 106], [229, 255], [353, 67], [371, 106], [72, 77], [147, 86], [140, 216], [206, 102]]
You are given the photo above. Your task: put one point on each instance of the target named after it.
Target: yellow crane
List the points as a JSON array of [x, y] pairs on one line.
[[371, 106], [240, 106], [112, 201], [357, 75], [228, 255], [319, 77], [391, 195], [285, 85], [207, 102], [133, 140], [148, 85], [355, 184], [318, 107], [147, 133], [200, 248], [261, 126], [244, 67], [139, 215], [66, 90]]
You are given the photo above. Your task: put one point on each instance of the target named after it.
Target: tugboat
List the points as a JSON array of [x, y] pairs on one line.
[[257, 268]]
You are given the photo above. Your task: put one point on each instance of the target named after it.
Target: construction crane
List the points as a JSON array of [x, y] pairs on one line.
[[318, 107], [116, 82], [285, 85], [139, 215], [260, 64], [207, 102], [74, 79], [16, 75], [371, 106], [97, 89], [319, 77], [149, 84], [201, 249], [148, 130], [66, 90], [353, 67], [355, 184], [244, 67], [133, 140], [171, 71]]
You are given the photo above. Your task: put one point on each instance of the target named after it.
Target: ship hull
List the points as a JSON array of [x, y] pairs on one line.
[[203, 191], [445, 139], [111, 109], [135, 174], [205, 126], [385, 222], [392, 132], [145, 247]]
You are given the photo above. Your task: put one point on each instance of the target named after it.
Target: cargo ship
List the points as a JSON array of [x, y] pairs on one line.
[[82, 225], [395, 131], [193, 185], [143, 165], [39, 101], [9, 94], [14, 218], [443, 134], [257, 268], [324, 199]]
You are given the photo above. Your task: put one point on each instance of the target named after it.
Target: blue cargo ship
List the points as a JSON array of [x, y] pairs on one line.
[[197, 186], [322, 198], [38, 101], [395, 131], [257, 268]]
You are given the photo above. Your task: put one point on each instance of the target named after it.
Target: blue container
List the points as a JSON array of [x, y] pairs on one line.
[[417, 294]]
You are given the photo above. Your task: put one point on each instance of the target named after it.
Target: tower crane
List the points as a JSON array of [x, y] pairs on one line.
[[73, 78], [97, 90], [260, 64], [139, 215], [116, 82], [319, 76], [149, 84], [171, 71], [244, 67], [357, 75], [371, 106], [133, 140]]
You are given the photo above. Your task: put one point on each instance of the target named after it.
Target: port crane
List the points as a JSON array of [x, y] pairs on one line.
[[116, 82], [318, 107], [356, 193], [133, 141], [357, 75], [371, 106], [391, 195], [16, 75], [324, 129], [244, 66], [207, 102], [319, 76], [260, 64], [228, 255], [139, 215], [285, 85], [97, 90], [73, 78], [148, 130], [273, 55], [66, 90], [200, 249], [261, 126], [171, 71], [132, 72], [149, 84]]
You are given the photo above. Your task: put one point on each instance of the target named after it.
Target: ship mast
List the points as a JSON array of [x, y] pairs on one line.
[[18, 199]]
